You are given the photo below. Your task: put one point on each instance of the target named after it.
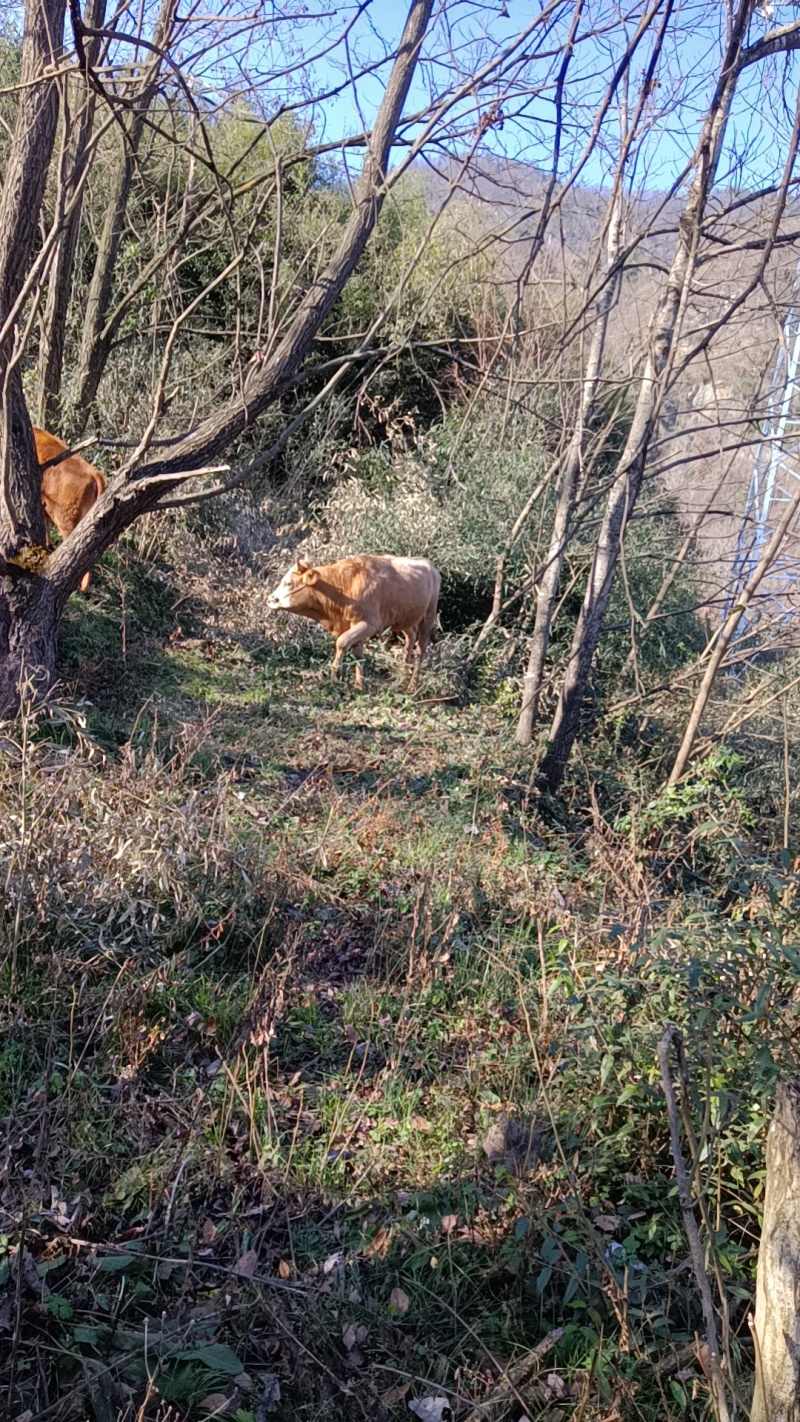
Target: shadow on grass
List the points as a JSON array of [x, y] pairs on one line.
[[275, 1169]]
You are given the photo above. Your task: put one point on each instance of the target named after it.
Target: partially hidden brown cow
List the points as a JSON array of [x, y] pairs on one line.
[[68, 489], [359, 598]]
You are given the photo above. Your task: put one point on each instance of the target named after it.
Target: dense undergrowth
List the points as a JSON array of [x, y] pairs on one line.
[[328, 1076]]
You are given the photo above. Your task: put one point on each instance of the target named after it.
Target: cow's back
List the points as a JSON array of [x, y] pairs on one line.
[[397, 592]]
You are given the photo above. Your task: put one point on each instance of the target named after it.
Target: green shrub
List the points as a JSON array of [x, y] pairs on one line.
[[454, 500]]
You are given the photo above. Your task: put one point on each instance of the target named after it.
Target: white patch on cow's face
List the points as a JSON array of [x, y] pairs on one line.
[[280, 599]]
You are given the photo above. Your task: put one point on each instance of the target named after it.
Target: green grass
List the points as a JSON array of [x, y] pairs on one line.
[[285, 954]]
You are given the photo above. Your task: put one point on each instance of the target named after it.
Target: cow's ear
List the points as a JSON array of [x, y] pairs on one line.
[[311, 577], [301, 566]]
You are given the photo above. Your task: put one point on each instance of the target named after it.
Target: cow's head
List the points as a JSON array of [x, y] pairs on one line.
[[291, 589]]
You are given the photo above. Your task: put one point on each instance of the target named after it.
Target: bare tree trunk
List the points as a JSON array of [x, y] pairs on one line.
[[662, 339], [27, 637], [29, 618], [571, 478], [573, 474], [21, 516], [95, 345], [54, 319], [776, 1326]]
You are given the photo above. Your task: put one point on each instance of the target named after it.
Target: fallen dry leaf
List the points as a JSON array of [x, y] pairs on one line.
[[494, 1142], [284, 1269], [216, 1403], [554, 1388], [270, 1396], [399, 1300], [395, 1394], [353, 1333], [379, 1245], [429, 1409], [606, 1222], [27, 1264], [247, 1264], [449, 1223], [473, 1236]]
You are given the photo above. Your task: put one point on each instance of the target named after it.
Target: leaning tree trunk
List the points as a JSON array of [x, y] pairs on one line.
[[776, 1326], [662, 339], [54, 319], [570, 482], [95, 344], [573, 471], [27, 627]]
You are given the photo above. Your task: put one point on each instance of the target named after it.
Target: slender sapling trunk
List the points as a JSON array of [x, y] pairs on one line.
[[627, 482]]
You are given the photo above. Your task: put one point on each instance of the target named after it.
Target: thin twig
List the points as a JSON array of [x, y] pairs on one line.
[[714, 1368], [787, 779]]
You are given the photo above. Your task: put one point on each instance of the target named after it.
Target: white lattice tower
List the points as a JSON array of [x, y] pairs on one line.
[[773, 483]]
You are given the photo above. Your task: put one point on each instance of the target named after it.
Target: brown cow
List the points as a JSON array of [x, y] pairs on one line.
[[359, 598], [68, 489]]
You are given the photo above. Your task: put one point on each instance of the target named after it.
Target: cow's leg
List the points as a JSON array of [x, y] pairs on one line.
[[412, 647], [350, 639], [425, 633], [417, 664], [358, 652], [423, 638]]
